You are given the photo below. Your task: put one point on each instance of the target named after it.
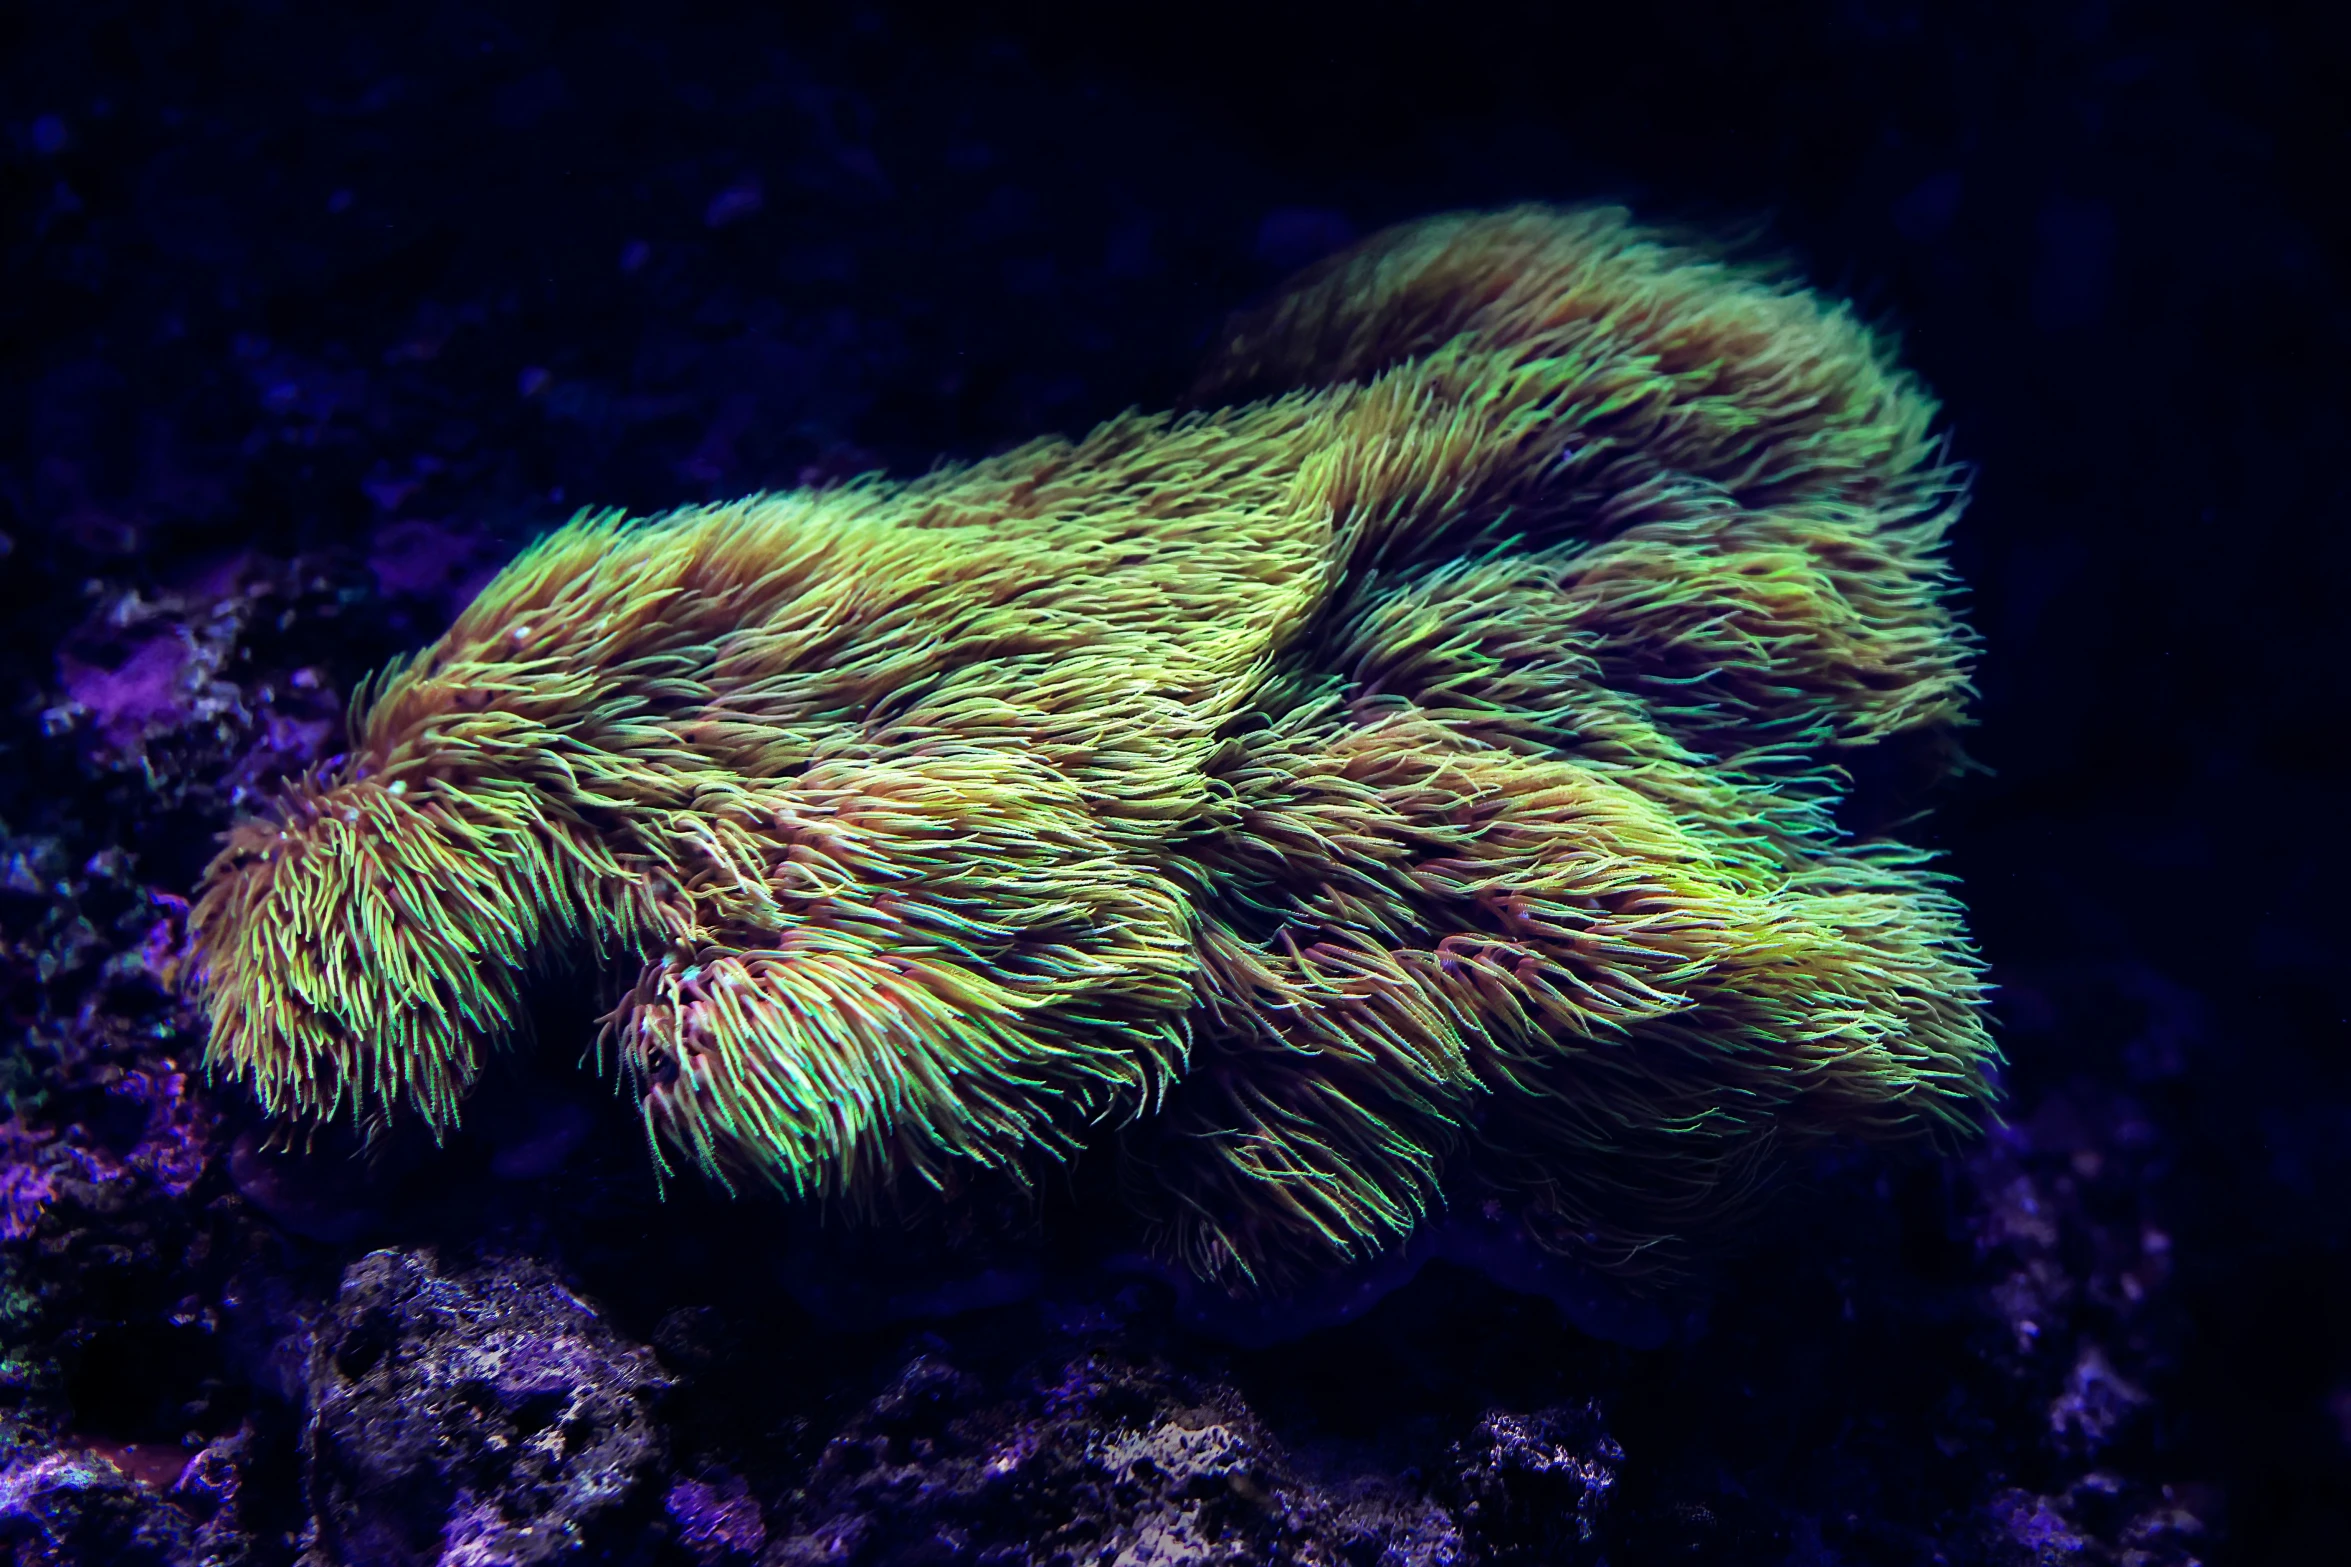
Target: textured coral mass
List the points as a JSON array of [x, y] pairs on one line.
[[1409, 771]]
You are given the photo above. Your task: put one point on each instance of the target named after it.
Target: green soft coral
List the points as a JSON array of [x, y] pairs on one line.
[[1415, 761]]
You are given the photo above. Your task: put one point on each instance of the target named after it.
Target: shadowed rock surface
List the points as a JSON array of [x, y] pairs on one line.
[[485, 1416]]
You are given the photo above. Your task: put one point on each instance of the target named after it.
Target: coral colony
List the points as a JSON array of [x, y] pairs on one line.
[[1409, 769]]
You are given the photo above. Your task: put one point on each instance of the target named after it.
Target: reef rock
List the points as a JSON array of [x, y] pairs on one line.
[[1105, 1460], [475, 1419]]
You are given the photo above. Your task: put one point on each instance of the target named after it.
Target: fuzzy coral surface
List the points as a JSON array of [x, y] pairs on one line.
[[1416, 763]]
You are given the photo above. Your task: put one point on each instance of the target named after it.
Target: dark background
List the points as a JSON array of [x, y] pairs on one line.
[[403, 285]]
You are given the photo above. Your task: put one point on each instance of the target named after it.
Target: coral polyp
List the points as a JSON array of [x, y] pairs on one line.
[[1416, 763]]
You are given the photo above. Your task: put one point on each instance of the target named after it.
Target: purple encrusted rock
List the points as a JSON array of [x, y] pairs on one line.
[[718, 1519], [485, 1418]]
